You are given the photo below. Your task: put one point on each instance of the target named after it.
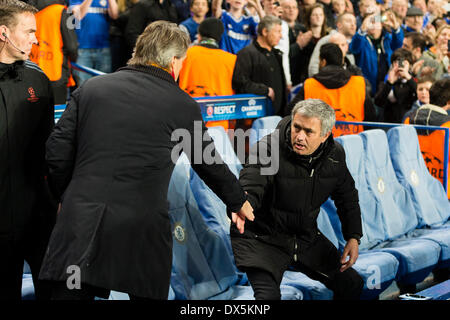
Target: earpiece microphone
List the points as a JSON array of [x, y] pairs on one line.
[[21, 51]]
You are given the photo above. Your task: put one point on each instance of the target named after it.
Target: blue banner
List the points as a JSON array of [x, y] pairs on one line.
[[239, 106]]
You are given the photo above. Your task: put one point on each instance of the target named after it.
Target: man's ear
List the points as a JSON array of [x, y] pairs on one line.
[[324, 138], [322, 63]]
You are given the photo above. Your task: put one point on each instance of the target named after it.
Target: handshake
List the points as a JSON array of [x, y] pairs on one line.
[[246, 212]]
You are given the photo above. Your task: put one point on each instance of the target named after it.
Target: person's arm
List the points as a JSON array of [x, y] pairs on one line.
[[61, 148], [113, 9], [253, 180], [80, 10], [259, 9], [210, 167], [136, 24], [216, 8], [69, 38], [313, 66]]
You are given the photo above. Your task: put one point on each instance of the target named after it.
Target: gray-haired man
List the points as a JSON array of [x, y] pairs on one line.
[[284, 234]]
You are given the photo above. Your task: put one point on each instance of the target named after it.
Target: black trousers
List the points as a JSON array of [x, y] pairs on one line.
[[14, 249], [85, 293], [321, 262]]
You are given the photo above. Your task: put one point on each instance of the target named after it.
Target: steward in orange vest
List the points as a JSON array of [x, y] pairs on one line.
[[336, 86], [208, 70], [57, 46]]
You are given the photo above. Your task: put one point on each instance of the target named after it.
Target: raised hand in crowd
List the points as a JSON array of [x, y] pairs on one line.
[[391, 23], [351, 251], [304, 38]]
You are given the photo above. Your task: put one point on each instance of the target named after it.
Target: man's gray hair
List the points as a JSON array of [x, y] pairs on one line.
[[267, 23], [316, 108], [159, 43]]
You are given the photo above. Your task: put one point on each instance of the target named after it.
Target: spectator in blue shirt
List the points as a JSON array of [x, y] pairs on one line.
[[199, 9], [373, 44], [93, 33]]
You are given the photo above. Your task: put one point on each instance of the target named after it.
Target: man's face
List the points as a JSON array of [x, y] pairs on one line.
[[308, 3], [421, 4], [305, 134], [339, 6], [290, 10], [341, 41], [347, 26], [400, 7], [423, 91], [407, 44], [273, 36], [414, 22], [22, 36], [199, 8], [177, 64], [367, 7], [237, 4]]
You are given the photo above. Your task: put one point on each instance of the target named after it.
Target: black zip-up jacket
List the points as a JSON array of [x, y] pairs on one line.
[[254, 73], [286, 204], [26, 120]]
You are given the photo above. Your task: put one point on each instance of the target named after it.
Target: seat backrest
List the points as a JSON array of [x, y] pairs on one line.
[[371, 216], [432, 148], [200, 269], [428, 195], [225, 148], [262, 127], [393, 200]]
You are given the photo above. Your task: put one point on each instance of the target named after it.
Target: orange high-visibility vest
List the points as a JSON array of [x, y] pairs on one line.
[[208, 72], [432, 148], [48, 54], [347, 101]]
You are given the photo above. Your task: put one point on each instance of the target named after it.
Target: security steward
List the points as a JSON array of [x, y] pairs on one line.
[[57, 46], [26, 120], [347, 93]]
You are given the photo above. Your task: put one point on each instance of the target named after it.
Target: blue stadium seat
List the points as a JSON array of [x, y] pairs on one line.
[[200, 268], [427, 193], [225, 148], [377, 269], [262, 127], [417, 257]]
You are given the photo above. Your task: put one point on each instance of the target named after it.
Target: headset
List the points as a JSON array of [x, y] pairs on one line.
[[21, 51]]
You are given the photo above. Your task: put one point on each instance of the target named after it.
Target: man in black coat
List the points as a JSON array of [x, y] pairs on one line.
[[26, 120], [110, 158], [259, 67], [284, 235]]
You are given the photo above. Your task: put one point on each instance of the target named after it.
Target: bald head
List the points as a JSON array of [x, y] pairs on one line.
[[339, 39]]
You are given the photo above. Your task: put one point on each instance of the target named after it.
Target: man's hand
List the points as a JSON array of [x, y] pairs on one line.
[[351, 251], [271, 94], [246, 212], [304, 38]]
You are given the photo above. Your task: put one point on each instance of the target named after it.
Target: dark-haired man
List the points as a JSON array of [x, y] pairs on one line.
[[345, 92]]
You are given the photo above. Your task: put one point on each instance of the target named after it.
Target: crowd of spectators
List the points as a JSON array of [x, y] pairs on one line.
[[398, 46]]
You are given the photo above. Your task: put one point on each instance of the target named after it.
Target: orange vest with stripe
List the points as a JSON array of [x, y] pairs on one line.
[[347, 101], [48, 54], [208, 72], [432, 148]]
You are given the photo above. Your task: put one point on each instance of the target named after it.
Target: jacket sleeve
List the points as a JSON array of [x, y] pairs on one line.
[[357, 43], [61, 148], [209, 165], [382, 94], [69, 38], [345, 197], [397, 39], [136, 25], [242, 82], [252, 178]]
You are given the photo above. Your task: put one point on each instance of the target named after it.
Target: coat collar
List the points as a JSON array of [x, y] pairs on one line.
[[13, 70], [154, 71]]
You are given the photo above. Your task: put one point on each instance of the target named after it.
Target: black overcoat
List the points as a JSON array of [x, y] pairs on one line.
[[110, 159]]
